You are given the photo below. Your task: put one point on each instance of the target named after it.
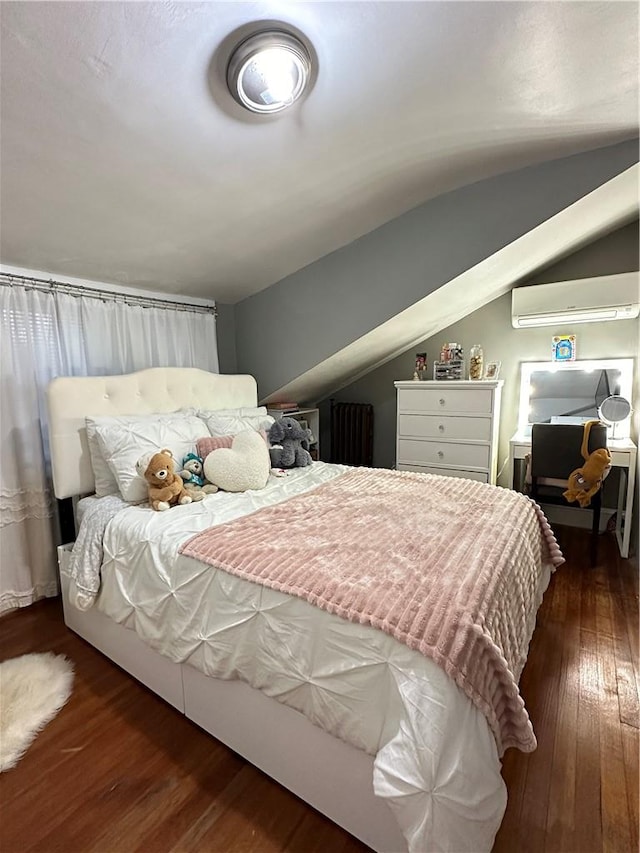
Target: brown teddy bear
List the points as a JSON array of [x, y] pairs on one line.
[[165, 487]]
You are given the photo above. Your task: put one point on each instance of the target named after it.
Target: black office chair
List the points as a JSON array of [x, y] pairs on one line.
[[555, 453]]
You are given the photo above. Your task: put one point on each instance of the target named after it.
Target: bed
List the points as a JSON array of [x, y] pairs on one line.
[[368, 730]]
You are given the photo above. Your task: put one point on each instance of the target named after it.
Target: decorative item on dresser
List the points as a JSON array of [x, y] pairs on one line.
[[451, 364], [476, 362], [449, 428]]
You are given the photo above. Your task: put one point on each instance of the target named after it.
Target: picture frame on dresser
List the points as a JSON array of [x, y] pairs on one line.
[[449, 428]]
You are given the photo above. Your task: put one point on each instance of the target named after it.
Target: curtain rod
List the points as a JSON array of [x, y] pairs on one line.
[[49, 286]]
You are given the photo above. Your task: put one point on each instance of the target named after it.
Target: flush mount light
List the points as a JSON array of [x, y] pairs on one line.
[[269, 71]]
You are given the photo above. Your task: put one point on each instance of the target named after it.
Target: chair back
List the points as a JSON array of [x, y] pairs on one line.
[[555, 448]]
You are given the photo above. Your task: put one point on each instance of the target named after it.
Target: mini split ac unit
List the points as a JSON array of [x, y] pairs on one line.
[[586, 300]]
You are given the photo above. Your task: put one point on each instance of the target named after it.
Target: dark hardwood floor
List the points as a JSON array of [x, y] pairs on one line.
[[578, 792], [118, 770]]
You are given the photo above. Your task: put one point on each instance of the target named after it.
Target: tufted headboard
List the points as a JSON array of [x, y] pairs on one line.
[[159, 389]]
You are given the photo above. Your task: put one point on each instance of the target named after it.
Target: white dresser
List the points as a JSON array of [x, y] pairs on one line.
[[449, 428]]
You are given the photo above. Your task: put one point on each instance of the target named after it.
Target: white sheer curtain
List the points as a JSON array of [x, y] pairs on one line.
[[47, 334]]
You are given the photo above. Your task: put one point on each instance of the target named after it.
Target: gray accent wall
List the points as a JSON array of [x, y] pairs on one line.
[[226, 337], [615, 253], [298, 322]]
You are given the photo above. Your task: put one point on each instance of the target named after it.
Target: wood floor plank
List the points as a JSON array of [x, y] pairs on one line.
[[599, 579], [630, 747], [311, 836], [557, 599], [616, 834], [516, 766], [183, 817], [588, 829], [514, 773], [561, 815], [625, 605], [120, 771], [269, 819], [543, 703], [588, 603], [627, 684]]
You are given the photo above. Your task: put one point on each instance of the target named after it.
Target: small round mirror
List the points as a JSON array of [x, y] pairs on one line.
[[614, 409]]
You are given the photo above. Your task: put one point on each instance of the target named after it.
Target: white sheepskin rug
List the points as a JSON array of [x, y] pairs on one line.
[[33, 688]]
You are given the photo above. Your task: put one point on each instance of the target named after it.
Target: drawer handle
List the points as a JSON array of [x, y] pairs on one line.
[[442, 401], [441, 427], [440, 454]]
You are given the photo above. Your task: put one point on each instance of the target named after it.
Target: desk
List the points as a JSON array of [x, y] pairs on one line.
[[624, 454]]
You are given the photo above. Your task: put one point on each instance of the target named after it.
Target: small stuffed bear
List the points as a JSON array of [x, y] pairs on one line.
[[192, 474], [293, 444], [165, 487]]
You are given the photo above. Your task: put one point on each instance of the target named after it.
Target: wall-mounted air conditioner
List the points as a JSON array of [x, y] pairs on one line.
[[586, 300]]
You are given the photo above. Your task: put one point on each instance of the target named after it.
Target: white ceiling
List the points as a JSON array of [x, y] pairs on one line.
[[122, 162]]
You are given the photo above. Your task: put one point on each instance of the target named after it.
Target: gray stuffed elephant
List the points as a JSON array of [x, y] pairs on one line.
[[293, 440]]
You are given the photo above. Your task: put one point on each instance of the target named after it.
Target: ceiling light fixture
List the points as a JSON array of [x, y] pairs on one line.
[[269, 71]]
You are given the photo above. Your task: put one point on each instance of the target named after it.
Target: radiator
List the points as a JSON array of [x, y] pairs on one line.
[[352, 433]]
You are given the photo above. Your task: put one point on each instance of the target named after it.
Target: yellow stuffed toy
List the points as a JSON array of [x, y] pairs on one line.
[[584, 482]]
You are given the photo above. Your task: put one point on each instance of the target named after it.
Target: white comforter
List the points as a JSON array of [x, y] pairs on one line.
[[436, 759]]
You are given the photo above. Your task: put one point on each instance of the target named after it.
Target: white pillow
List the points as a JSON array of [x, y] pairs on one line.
[[105, 482], [245, 465], [122, 444], [233, 421]]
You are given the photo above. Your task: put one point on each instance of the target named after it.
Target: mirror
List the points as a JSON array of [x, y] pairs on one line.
[[575, 392], [613, 410]]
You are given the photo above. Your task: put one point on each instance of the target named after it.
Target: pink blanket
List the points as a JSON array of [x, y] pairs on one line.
[[449, 567]]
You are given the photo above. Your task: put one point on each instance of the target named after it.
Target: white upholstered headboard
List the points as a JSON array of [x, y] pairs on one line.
[[159, 389]]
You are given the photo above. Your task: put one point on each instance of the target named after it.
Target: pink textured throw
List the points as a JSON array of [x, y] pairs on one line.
[[449, 567]]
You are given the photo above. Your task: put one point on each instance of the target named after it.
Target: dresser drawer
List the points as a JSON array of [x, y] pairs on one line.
[[445, 400], [415, 452], [432, 426], [480, 476]]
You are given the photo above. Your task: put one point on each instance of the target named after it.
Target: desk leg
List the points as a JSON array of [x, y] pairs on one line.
[[623, 481], [623, 540], [510, 470]]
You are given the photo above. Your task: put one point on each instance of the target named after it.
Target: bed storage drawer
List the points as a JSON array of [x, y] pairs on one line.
[[286, 745], [160, 674]]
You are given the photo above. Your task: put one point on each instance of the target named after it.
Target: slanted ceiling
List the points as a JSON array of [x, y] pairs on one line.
[[350, 312], [124, 160]]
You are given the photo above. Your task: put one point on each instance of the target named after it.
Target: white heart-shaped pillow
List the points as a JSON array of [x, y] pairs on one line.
[[244, 465]]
